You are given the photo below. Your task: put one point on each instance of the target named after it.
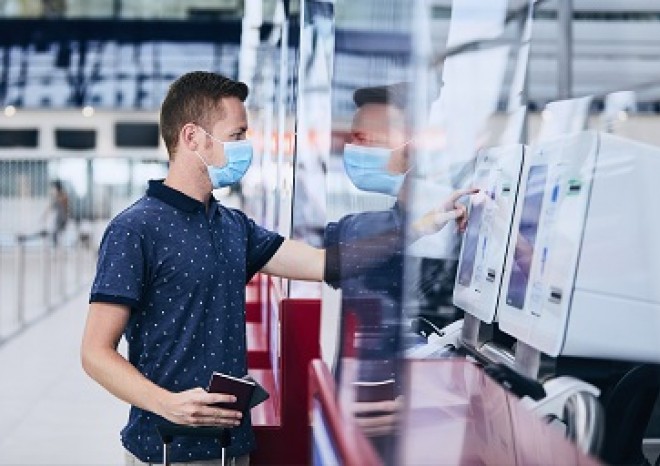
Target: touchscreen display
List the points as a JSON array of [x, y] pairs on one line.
[[470, 246], [529, 222]]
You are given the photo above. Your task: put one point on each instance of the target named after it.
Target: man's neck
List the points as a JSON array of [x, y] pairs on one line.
[[190, 181]]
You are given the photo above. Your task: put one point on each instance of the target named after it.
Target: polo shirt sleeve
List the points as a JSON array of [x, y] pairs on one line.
[[121, 267], [262, 245], [358, 244], [332, 267]]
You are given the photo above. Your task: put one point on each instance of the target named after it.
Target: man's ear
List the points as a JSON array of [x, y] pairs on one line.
[[188, 136]]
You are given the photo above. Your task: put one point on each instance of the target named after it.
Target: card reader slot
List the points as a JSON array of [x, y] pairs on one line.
[[490, 275], [555, 295]]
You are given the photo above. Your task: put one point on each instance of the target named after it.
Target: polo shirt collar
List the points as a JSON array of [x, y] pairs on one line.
[[175, 198]]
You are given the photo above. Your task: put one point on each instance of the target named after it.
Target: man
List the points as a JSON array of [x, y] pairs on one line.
[[369, 245], [171, 277], [365, 257]]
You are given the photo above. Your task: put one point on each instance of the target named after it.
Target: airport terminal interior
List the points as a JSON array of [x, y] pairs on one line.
[[480, 177]]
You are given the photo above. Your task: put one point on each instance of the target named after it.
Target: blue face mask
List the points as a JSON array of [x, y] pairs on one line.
[[239, 157], [367, 168]]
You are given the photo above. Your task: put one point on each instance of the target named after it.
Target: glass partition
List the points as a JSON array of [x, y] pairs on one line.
[[365, 210]]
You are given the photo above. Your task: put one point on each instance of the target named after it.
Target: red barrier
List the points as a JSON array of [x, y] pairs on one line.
[[281, 424]]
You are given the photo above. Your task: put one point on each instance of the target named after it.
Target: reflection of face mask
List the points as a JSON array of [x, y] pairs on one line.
[[367, 168], [239, 157]]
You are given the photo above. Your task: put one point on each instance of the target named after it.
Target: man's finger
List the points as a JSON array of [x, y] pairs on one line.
[[456, 195], [377, 421], [215, 412], [441, 218], [212, 398]]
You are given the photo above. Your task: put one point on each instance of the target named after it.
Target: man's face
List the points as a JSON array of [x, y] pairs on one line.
[[381, 125], [232, 127]]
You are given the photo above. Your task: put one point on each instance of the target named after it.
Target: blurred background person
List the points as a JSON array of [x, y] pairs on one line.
[[57, 212]]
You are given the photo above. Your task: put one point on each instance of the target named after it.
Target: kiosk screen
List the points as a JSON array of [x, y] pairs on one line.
[[469, 253], [529, 221]]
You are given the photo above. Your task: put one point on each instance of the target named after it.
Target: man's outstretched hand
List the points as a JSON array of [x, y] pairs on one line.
[[436, 219]]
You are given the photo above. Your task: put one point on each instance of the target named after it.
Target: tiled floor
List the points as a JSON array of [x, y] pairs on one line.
[[51, 412]]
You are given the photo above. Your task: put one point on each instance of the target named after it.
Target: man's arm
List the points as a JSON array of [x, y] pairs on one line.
[[297, 261], [436, 219], [100, 359]]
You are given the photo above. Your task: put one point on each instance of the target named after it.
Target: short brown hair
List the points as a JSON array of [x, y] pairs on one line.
[[195, 97], [391, 94]]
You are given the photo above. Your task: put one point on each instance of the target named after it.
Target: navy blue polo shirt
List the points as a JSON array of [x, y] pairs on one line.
[[182, 269]]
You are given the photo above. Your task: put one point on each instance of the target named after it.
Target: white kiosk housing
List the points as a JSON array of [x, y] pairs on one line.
[[483, 251], [584, 276]]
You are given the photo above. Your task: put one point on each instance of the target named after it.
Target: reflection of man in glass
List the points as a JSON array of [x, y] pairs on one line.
[[364, 256], [376, 160], [369, 245]]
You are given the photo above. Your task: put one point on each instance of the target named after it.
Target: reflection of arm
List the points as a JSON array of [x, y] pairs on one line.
[[523, 254], [359, 243], [436, 219], [433, 222]]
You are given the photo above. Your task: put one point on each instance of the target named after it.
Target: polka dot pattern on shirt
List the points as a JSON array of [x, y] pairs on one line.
[[186, 292]]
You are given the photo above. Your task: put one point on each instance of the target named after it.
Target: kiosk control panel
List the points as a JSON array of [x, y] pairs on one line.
[[483, 251]]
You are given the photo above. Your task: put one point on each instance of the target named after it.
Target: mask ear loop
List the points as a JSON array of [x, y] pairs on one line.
[[197, 153], [402, 145], [399, 147], [209, 135], [201, 158]]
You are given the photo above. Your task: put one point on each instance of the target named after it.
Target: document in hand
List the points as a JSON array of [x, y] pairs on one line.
[[247, 391]]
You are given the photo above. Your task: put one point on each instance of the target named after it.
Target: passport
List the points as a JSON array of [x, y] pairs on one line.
[[247, 391]]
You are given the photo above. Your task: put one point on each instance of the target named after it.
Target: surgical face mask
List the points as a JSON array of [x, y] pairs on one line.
[[239, 157], [367, 168]]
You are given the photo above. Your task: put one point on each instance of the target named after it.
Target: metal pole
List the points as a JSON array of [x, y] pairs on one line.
[[59, 270], [20, 288], [2, 275], [47, 274], [166, 453], [565, 49], [63, 264], [77, 250]]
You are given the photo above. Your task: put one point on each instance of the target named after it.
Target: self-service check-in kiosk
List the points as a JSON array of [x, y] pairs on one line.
[[481, 259], [583, 275], [501, 174]]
